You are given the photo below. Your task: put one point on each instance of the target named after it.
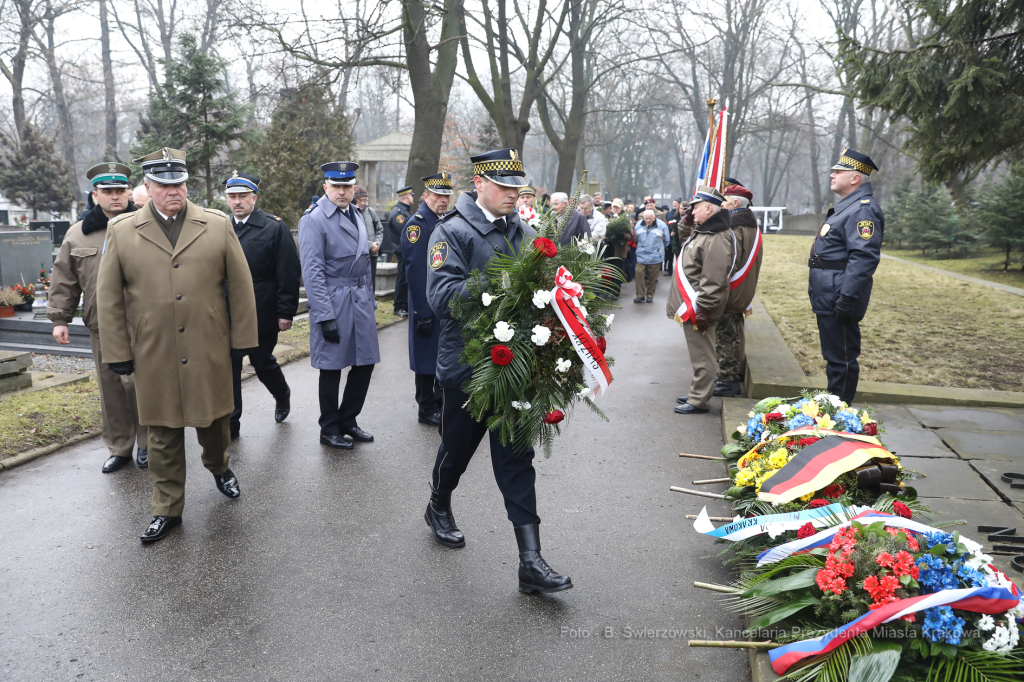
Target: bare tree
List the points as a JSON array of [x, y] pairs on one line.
[[15, 74], [110, 104], [49, 13]]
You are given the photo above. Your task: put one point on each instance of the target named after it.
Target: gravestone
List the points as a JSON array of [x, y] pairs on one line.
[[13, 371], [24, 254], [56, 228]]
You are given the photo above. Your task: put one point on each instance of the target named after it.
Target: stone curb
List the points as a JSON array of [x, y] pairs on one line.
[[29, 455], [772, 370]]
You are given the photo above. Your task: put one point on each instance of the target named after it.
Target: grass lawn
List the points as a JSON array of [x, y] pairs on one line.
[[983, 264], [921, 327], [32, 420]]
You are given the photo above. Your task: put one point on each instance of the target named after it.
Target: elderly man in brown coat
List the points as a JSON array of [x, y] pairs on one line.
[[75, 274], [173, 257], [707, 262]]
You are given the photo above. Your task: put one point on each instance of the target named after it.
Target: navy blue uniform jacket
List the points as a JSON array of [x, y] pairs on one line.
[[463, 241], [415, 244], [852, 232]]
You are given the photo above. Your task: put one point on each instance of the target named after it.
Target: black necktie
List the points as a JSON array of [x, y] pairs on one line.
[[501, 225]]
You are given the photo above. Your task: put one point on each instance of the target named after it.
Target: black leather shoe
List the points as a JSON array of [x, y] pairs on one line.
[[402, 313], [159, 527], [142, 458], [442, 522], [283, 407], [728, 389], [335, 441], [650, 300], [236, 430], [358, 434], [638, 299], [431, 419], [682, 399], [687, 408], [534, 573], [115, 462], [227, 483]]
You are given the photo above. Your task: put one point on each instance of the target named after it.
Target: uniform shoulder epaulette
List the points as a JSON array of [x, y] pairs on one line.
[[865, 201], [418, 216], [215, 211], [118, 217], [271, 215]]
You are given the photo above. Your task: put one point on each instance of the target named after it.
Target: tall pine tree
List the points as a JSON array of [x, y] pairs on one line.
[[1001, 212], [194, 111], [35, 176]]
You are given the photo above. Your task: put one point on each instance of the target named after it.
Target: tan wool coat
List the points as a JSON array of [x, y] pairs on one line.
[[707, 264], [182, 336], [75, 272]]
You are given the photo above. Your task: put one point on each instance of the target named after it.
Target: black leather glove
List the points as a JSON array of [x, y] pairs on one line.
[[330, 331], [844, 306], [700, 320], [424, 327], [123, 368]]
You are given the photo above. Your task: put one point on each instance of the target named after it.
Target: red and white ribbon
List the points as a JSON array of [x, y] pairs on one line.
[[565, 301], [741, 274], [687, 311]]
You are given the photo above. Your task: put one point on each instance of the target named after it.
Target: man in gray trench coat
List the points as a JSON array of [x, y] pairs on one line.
[[342, 327]]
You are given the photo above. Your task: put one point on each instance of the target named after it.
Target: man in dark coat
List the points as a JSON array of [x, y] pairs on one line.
[[843, 259], [397, 219], [424, 327], [342, 327], [577, 225], [483, 223], [274, 264]]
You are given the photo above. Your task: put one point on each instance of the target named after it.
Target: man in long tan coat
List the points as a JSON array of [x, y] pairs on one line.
[[707, 263], [75, 273], [173, 258]]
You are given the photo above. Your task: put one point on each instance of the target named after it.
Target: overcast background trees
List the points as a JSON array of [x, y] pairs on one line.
[[616, 87]]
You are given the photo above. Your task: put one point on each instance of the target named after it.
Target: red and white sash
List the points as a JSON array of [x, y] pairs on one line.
[[741, 274], [688, 309], [565, 301]]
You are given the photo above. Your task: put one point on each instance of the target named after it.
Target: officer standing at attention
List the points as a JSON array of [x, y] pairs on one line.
[[76, 272], [397, 219], [342, 327], [843, 259], [173, 257], [484, 222], [424, 326], [274, 264]]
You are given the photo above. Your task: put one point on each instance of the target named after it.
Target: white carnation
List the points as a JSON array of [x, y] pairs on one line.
[[583, 311], [486, 298], [608, 319], [562, 365], [986, 622], [541, 298], [830, 398], [503, 332], [520, 406], [584, 392], [540, 335], [585, 245]]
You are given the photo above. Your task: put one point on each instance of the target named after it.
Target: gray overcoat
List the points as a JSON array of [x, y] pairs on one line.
[[336, 270]]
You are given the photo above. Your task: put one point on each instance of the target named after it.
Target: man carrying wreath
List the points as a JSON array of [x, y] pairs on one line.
[[483, 222]]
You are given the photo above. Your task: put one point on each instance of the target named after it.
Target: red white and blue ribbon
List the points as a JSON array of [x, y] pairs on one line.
[[772, 524], [741, 274], [991, 600], [824, 537], [688, 309], [565, 300]]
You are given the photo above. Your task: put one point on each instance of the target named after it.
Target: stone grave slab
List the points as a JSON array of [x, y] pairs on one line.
[[21, 254], [919, 442], [949, 478], [985, 419], [984, 444]]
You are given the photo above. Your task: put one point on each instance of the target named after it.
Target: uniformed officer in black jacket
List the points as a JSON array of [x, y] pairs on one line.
[[274, 263], [397, 219], [424, 327], [843, 259], [484, 222]]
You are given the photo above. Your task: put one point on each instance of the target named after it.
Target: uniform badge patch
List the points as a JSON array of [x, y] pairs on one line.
[[412, 233], [824, 229], [400, 218], [866, 229], [438, 254]]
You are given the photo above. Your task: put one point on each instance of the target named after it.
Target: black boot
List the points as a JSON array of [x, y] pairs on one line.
[[534, 573], [728, 389], [283, 406], [441, 520]]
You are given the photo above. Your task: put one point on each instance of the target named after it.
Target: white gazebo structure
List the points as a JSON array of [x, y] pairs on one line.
[[392, 147]]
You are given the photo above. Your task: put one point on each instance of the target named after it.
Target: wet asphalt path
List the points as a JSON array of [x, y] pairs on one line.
[[325, 570]]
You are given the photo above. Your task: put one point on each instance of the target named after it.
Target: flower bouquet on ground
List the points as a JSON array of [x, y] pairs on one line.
[[865, 595], [534, 329]]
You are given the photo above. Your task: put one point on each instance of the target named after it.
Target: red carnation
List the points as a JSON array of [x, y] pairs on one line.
[[501, 355], [774, 417], [602, 345], [902, 510], [804, 442], [553, 417], [871, 429], [806, 531], [833, 491], [545, 246], [814, 504]]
